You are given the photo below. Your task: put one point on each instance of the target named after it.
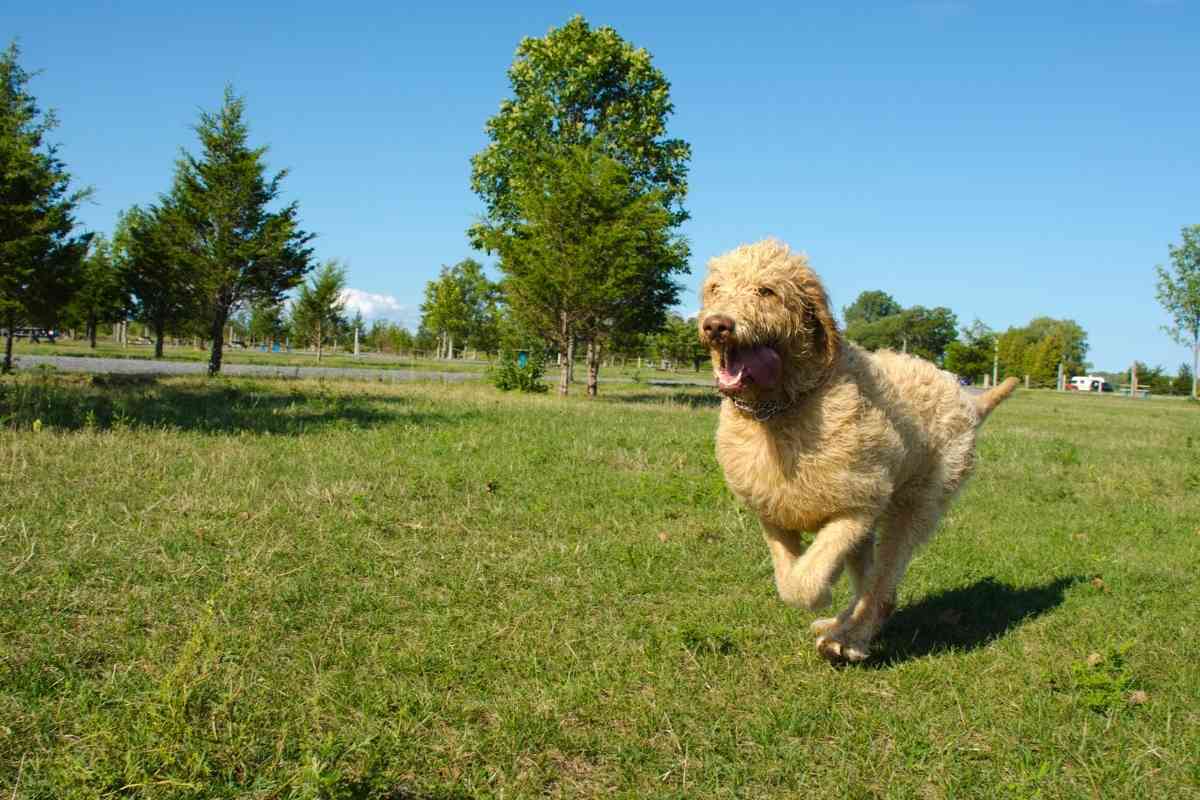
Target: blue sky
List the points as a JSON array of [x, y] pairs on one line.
[[1007, 160]]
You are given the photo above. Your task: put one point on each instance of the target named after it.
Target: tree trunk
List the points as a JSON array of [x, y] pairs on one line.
[[8, 343], [319, 337], [91, 331], [593, 359], [571, 359], [218, 340], [1195, 364], [564, 370], [160, 326]]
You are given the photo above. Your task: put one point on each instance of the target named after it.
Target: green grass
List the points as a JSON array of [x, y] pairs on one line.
[[301, 358], [300, 589], [295, 358]]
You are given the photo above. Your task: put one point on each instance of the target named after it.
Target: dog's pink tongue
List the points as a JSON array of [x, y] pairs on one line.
[[761, 364]]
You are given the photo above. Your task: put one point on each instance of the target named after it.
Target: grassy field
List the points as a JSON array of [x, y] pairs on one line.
[[300, 358], [301, 589], [233, 355]]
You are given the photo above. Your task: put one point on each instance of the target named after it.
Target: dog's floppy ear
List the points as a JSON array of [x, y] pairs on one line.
[[826, 338]]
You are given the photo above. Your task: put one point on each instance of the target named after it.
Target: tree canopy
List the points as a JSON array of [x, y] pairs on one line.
[[594, 251], [461, 308], [870, 306], [318, 313], [40, 253], [102, 296], [152, 246], [578, 85], [1037, 349], [875, 321], [1179, 294], [971, 355], [240, 249]]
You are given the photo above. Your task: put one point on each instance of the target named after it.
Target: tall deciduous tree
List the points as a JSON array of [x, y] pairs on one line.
[[971, 355], [1038, 348], [444, 312], [583, 90], [876, 321], [574, 86], [242, 251], [318, 314], [1179, 294], [461, 308], [870, 306], [40, 254]]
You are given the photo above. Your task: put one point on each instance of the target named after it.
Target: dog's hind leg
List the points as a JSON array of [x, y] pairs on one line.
[[805, 577]]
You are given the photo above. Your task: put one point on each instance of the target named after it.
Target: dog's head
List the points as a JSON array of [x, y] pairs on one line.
[[765, 317]]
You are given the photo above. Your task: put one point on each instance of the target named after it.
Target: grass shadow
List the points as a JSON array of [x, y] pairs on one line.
[[690, 399], [214, 407], [966, 618]]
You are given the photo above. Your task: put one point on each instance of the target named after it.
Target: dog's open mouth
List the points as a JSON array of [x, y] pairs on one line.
[[741, 366]]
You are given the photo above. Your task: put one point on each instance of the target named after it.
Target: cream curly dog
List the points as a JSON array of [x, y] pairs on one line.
[[865, 450]]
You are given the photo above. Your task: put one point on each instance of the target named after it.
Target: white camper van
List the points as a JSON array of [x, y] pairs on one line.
[[1089, 383]]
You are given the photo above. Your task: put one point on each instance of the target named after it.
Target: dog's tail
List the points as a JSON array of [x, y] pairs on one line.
[[985, 402]]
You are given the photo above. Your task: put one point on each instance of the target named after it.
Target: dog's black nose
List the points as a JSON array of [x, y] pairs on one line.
[[717, 326]]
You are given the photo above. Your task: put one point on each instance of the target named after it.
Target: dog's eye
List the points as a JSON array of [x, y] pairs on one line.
[[763, 291]]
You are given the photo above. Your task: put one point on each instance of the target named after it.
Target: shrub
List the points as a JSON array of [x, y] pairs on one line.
[[508, 375]]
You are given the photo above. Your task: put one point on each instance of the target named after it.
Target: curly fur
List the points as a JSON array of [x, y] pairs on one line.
[[868, 452]]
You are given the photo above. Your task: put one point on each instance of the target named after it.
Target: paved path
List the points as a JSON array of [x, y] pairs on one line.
[[143, 366]]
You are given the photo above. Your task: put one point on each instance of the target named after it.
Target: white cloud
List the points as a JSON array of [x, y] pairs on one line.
[[379, 306]]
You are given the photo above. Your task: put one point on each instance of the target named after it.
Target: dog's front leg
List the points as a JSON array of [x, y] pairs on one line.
[[806, 577]]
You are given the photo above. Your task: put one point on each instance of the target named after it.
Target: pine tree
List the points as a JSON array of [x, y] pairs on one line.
[[240, 250], [102, 296], [39, 253], [150, 247], [318, 316]]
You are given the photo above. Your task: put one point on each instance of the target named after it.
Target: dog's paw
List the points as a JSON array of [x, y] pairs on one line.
[[838, 651], [803, 591], [823, 625]]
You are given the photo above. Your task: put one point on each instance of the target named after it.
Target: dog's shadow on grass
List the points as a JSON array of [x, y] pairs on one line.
[[963, 619]]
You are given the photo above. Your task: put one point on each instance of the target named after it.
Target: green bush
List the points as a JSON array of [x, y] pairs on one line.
[[508, 375]]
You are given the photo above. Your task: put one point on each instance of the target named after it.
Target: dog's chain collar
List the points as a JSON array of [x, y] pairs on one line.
[[761, 411]]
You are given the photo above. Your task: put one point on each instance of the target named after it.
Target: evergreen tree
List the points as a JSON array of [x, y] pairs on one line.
[[317, 316], [240, 250], [152, 248], [40, 254], [102, 296]]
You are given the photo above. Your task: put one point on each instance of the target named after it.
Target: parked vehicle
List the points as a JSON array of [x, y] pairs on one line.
[[33, 334], [1089, 383]]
